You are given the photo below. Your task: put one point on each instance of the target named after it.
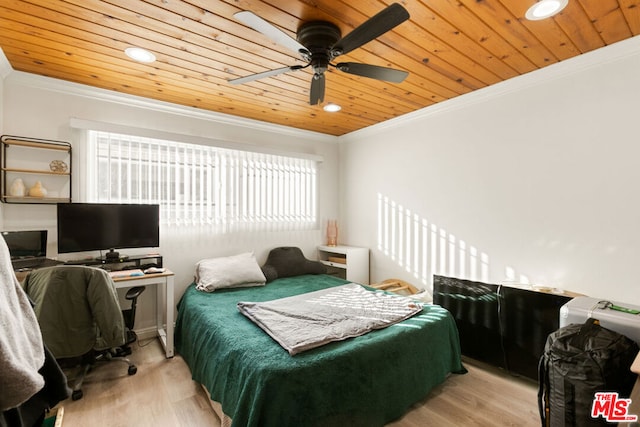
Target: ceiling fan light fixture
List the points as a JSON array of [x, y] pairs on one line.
[[545, 9], [139, 54], [332, 108]]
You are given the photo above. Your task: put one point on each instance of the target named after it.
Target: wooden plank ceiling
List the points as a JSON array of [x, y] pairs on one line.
[[449, 47]]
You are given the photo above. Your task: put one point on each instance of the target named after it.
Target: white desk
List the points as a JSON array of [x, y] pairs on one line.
[[166, 279]]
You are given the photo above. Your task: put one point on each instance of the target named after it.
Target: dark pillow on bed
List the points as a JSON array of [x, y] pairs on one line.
[[270, 273], [289, 262]]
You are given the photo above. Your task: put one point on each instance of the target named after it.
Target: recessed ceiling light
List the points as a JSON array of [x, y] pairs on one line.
[[545, 9], [139, 54], [332, 108]]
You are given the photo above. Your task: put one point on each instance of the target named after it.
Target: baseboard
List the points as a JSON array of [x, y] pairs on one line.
[[147, 333]]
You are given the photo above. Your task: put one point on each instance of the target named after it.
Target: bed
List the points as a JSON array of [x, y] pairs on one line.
[[368, 381]]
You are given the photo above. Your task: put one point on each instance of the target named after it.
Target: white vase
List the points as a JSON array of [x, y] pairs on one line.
[[17, 188]]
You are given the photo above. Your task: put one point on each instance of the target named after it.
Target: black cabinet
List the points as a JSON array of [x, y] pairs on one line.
[[501, 325]]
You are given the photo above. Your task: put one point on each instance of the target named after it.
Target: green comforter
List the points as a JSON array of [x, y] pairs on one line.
[[364, 381]]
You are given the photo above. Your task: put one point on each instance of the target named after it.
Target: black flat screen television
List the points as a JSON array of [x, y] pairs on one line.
[[84, 227]]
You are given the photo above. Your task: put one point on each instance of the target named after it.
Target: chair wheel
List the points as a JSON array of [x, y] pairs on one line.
[[76, 395], [132, 370]]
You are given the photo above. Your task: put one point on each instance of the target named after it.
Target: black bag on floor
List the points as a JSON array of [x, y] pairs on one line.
[[578, 361]]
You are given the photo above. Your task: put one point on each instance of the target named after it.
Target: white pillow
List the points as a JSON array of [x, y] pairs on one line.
[[229, 272]]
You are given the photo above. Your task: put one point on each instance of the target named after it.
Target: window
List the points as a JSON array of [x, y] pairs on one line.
[[197, 184]]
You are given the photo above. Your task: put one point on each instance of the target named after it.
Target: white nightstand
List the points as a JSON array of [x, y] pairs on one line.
[[347, 262]]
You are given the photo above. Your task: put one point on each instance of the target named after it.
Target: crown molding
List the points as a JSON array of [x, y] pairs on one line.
[[5, 66], [62, 86], [608, 54]]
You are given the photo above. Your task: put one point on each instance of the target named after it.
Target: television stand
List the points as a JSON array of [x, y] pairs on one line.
[[123, 262]]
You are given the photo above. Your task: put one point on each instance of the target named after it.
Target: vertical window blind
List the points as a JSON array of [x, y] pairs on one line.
[[203, 185]]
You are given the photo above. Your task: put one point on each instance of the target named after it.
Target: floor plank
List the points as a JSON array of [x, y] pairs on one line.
[[485, 396], [163, 394]]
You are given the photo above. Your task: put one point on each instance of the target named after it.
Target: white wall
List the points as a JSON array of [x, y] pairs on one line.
[[42, 108], [534, 180]]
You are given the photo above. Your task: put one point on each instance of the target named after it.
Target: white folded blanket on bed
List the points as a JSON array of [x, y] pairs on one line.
[[306, 321]]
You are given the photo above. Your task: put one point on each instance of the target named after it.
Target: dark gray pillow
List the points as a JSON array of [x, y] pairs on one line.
[[289, 261], [270, 273]]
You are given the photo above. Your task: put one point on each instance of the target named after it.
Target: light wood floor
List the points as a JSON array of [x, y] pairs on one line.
[[163, 394]]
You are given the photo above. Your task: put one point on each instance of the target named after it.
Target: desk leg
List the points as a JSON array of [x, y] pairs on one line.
[[164, 305], [165, 333], [160, 312], [169, 315]]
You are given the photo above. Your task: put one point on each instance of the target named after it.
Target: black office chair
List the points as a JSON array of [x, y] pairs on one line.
[[80, 318], [129, 316]]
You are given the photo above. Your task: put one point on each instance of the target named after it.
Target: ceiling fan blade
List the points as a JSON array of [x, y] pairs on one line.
[[317, 89], [374, 27], [270, 73], [275, 34], [373, 71]]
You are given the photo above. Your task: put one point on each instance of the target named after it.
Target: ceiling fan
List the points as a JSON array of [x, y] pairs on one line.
[[320, 42]]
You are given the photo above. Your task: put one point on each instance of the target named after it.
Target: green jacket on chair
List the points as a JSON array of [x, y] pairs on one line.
[[77, 308]]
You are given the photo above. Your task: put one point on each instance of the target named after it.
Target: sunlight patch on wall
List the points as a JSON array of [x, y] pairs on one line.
[[510, 277], [423, 248]]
